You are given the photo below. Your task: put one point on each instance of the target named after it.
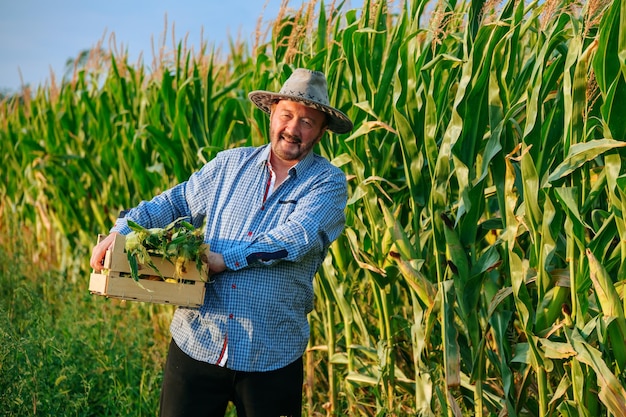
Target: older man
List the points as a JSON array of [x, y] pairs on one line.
[[271, 213]]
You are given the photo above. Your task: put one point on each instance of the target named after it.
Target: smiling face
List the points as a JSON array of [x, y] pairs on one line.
[[294, 130]]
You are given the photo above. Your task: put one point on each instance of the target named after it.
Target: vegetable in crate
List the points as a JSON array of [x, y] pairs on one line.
[[178, 242]]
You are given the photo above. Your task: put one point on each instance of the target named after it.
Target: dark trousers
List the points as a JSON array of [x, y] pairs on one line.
[[197, 389]]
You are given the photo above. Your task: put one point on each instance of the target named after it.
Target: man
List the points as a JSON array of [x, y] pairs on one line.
[[271, 213]]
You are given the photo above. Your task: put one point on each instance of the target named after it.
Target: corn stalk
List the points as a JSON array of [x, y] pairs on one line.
[[481, 271]]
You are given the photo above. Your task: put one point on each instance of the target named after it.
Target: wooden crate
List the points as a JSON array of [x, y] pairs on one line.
[[115, 280]]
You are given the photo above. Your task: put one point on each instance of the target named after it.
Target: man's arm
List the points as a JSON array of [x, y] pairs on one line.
[[317, 221]]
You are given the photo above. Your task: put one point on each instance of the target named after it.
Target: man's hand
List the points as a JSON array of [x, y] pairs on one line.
[[99, 251], [215, 261]]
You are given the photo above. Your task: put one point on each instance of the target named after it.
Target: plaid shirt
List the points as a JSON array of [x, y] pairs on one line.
[[272, 250]]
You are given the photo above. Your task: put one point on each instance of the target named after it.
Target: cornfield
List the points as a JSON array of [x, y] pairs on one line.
[[482, 267]]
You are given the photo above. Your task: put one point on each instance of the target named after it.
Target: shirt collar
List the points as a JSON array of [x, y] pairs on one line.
[[301, 166], [264, 156]]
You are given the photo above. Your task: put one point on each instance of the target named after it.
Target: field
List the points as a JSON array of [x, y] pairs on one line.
[[482, 267], [67, 353]]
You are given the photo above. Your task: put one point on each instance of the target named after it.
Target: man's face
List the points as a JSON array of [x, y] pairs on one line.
[[294, 130]]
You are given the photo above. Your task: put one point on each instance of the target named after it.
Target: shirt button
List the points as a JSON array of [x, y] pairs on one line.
[[234, 286], [231, 315], [249, 233], [236, 263]]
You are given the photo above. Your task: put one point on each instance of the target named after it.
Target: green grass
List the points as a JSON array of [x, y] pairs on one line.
[[65, 352]]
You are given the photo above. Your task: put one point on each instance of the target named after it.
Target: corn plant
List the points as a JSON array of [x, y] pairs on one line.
[[481, 271]]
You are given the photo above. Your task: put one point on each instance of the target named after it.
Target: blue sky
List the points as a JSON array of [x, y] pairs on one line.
[[39, 35]]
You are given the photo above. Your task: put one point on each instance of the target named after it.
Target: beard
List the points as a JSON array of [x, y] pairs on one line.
[[288, 147]]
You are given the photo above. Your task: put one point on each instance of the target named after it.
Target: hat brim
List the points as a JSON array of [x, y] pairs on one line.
[[338, 121]]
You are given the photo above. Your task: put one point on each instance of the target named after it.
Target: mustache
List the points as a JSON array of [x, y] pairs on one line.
[[293, 138]]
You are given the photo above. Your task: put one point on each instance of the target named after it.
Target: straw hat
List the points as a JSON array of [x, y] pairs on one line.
[[309, 88]]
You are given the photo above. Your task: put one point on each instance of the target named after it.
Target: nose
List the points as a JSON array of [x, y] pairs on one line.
[[291, 127]]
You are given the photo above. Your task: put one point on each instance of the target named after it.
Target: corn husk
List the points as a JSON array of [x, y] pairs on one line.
[[180, 243]]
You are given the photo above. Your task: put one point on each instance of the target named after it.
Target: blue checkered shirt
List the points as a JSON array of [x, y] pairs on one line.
[[272, 251]]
